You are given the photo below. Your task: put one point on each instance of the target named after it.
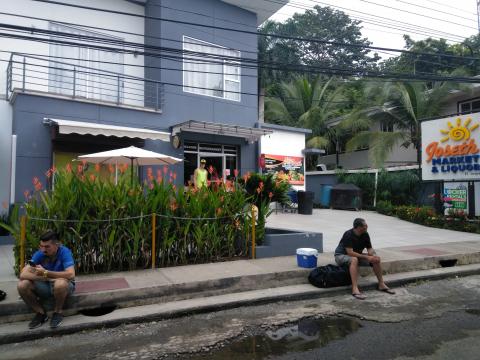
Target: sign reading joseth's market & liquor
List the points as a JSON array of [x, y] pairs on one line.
[[451, 148]]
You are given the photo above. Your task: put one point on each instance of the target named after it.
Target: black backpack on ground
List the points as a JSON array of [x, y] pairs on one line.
[[329, 276]]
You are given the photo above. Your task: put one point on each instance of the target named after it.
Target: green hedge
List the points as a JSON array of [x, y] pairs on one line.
[[426, 215], [109, 227], [398, 188]]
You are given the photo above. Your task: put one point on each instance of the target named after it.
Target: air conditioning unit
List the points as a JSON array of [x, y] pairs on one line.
[[321, 167]]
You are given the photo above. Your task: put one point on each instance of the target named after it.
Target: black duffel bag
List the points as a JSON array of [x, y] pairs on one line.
[[329, 276]]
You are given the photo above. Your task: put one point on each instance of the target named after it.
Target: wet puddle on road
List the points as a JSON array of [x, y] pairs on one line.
[[308, 334]]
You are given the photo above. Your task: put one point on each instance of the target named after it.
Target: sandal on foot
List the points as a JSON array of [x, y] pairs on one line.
[[359, 296], [387, 290]]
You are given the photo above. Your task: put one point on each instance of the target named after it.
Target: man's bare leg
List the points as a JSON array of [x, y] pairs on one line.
[[25, 289], [60, 293], [377, 269], [353, 268]]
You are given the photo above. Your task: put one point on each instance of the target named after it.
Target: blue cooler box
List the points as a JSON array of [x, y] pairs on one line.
[[307, 257]]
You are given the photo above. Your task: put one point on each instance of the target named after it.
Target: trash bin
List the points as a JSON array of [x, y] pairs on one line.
[[325, 196], [305, 202]]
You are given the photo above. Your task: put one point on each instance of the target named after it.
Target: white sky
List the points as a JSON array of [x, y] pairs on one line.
[[457, 19]]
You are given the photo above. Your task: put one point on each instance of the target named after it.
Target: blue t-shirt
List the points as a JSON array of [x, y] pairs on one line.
[[60, 262]]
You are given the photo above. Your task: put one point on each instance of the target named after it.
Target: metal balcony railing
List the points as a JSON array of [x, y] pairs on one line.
[[37, 74]]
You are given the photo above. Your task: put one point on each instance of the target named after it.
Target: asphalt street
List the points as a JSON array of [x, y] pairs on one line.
[[426, 320]]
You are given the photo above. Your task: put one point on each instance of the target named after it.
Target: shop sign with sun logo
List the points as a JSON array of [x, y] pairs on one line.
[[451, 148]]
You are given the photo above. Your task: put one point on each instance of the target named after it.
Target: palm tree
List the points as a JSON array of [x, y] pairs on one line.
[[308, 104], [401, 106]]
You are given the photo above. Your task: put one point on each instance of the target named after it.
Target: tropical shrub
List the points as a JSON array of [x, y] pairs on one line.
[[425, 215], [364, 181], [264, 189], [400, 187], [109, 227], [385, 207]]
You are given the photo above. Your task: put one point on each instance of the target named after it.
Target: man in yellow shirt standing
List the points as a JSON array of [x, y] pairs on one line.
[[200, 175]]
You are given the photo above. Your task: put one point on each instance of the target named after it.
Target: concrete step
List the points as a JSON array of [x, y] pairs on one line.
[[146, 287], [18, 331]]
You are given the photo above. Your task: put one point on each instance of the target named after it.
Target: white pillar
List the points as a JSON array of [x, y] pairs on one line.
[[13, 169]]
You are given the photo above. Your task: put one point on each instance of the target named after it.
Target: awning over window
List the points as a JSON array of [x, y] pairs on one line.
[[86, 128], [248, 133]]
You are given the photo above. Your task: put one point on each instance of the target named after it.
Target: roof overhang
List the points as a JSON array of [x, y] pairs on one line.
[[87, 128], [203, 127], [262, 8]]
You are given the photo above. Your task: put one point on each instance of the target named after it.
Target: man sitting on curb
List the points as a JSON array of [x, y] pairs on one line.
[[50, 273], [349, 252]]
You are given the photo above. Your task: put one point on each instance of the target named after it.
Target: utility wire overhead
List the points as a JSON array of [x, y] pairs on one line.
[[408, 26], [361, 72], [237, 30]]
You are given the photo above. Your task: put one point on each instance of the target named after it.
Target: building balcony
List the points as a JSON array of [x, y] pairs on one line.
[[47, 77]]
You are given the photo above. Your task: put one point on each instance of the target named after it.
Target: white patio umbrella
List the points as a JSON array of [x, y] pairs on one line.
[[131, 156]]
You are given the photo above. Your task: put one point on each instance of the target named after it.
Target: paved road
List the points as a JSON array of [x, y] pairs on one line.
[[430, 320], [385, 231]]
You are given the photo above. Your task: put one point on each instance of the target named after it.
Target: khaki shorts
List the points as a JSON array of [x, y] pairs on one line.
[[345, 260]]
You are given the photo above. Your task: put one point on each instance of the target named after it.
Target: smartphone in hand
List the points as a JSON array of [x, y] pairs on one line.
[[31, 263]]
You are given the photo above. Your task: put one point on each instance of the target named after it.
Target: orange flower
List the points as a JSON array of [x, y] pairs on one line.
[[165, 170], [48, 173], [210, 169], [69, 168], [84, 162], [92, 177], [79, 169], [174, 176], [159, 179], [35, 180], [159, 173], [219, 211], [26, 193], [97, 167], [111, 169], [38, 186]]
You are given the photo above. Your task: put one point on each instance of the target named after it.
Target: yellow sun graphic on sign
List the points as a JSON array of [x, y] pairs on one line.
[[459, 132]]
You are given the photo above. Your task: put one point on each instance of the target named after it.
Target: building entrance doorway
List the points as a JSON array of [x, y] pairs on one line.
[[221, 161]]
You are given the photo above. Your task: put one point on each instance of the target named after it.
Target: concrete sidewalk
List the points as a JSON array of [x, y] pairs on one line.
[[409, 252], [168, 292], [385, 231]]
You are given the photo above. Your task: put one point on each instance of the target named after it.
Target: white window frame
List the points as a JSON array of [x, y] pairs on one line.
[[226, 77]]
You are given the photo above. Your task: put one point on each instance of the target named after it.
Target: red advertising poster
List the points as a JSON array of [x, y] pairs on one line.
[[288, 167]]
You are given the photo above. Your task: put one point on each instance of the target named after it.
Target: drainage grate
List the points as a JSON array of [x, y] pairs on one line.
[[447, 262], [102, 310]]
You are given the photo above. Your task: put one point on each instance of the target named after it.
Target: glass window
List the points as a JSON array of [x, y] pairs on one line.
[[89, 70], [210, 74]]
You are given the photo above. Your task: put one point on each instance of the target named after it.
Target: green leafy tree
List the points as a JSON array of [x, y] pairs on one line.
[[323, 23], [435, 56], [308, 104], [399, 104]]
